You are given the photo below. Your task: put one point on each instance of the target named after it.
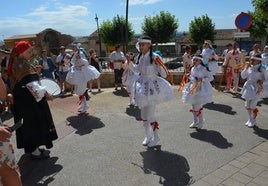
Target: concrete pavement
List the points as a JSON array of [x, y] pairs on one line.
[[104, 147]]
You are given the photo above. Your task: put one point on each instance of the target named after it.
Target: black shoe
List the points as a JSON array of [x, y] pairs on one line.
[[86, 95], [41, 156]]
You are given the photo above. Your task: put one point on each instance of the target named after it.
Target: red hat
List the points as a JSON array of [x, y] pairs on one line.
[[18, 49], [21, 47]]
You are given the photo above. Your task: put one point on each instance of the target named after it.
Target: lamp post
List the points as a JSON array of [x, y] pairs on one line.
[[97, 20], [126, 33]]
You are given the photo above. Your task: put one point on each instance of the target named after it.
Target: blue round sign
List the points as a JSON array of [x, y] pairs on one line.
[[243, 21]]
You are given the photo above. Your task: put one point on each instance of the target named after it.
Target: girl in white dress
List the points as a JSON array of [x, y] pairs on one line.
[[80, 73], [129, 78], [150, 88], [211, 57], [252, 90], [199, 90]]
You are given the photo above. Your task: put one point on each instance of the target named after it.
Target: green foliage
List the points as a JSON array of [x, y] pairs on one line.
[[161, 28], [113, 32], [259, 26], [202, 28]]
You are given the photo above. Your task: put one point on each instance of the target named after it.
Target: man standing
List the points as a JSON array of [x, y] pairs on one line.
[[118, 58]]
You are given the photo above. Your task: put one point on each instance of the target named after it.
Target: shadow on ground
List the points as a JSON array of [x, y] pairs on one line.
[[261, 132], [121, 92], [38, 172], [134, 111], [220, 108], [213, 137], [171, 168], [84, 123]]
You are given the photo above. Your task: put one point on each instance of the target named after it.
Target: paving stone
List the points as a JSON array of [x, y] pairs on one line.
[[251, 155], [261, 181], [201, 183], [232, 182], [264, 147], [229, 168], [238, 164], [264, 174], [241, 177], [262, 161], [222, 174], [252, 184], [253, 170], [212, 179], [244, 159]]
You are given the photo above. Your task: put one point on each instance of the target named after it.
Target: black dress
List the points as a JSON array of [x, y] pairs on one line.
[[38, 127]]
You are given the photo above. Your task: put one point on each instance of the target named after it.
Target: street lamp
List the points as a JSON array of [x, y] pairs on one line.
[[97, 20]]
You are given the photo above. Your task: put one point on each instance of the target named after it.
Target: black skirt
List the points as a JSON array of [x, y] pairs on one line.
[[38, 127]]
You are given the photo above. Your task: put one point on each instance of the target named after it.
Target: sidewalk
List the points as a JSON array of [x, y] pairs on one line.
[[250, 169]]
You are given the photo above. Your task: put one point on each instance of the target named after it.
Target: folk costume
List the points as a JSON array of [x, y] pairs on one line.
[[128, 79], [198, 91], [234, 64], [80, 73], [210, 57], [30, 103], [253, 88], [150, 90]]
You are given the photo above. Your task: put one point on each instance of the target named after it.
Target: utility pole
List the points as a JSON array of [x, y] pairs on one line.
[[98, 29], [126, 34]]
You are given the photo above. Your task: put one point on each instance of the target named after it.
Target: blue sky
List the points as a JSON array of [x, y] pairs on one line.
[[76, 17]]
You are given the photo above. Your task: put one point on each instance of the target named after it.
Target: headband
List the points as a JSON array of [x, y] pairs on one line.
[[256, 58], [196, 57], [144, 41]]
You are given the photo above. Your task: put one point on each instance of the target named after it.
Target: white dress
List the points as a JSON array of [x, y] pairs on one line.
[[198, 93], [81, 72], [251, 87], [150, 88], [129, 77], [208, 54]]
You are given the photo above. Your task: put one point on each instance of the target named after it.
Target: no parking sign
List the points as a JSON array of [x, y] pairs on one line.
[[243, 21]]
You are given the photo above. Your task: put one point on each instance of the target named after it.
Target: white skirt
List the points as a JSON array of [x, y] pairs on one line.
[[213, 67], [250, 89], [152, 91], [79, 75], [202, 95]]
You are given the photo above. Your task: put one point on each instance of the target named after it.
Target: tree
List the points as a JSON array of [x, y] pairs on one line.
[[259, 26], [202, 28], [161, 28], [113, 32]]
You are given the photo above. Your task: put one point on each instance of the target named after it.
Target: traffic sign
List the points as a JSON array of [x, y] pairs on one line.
[[241, 34], [243, 21]]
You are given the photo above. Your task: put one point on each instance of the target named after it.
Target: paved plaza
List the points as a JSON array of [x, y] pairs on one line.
[[104, 147]]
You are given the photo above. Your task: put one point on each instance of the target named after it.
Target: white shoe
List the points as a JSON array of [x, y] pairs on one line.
[[200, 125], [247, 122], [146, 141], [153, 142], [250, 124], [193, 125]]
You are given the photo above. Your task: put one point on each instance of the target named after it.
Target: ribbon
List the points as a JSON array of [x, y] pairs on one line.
[[81, 99], [193, 90], [160, 63], [155, 125], [255, 113], [198, 112], [183, 82], [260, 86]]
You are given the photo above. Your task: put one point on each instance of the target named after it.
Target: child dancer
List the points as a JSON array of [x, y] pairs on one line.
[[81, 72], [252, 91], [128, 79], [150, 89], [199, 90]]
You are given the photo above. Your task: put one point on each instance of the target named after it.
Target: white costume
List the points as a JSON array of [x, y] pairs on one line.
[[253, 90], [128, 79], [150, 90], [198, 93], [80, 73], [187, 62], [210, 56]]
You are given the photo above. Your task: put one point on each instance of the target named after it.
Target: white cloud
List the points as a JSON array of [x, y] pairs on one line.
[[71, 19], [142, 2]]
